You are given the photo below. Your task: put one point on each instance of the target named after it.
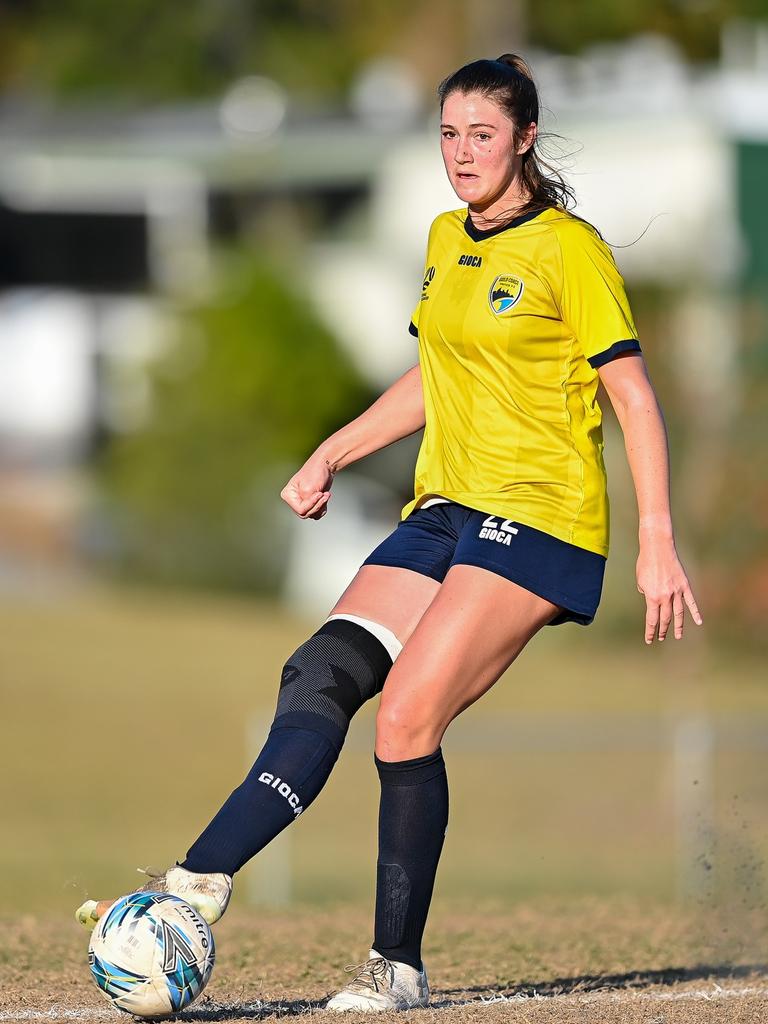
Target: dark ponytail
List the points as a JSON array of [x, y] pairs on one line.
[[509, 82]]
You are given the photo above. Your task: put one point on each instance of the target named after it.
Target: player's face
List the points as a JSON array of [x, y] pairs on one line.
[[478, 147]]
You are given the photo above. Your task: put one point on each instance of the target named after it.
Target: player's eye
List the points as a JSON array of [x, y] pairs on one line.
[[447, 133], [483, 136]]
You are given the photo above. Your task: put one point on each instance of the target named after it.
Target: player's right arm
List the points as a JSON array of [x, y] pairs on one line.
[[396, 414]]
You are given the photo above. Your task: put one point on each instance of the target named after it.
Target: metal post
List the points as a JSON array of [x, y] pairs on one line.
[[693, 744], [270, 873]]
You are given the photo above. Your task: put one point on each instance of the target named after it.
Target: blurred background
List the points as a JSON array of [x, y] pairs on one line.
[[213, 218]]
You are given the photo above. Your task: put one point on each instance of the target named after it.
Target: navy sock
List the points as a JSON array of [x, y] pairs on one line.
[[324, 683], [413, 817], [288, 774]]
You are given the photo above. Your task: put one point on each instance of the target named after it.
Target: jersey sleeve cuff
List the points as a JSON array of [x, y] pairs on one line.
[[413, 329], [628, 345]]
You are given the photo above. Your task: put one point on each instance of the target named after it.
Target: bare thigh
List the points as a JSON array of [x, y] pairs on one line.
[[471, 632], [395, 598]]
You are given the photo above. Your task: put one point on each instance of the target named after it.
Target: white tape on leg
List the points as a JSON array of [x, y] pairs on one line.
[[384, 635]]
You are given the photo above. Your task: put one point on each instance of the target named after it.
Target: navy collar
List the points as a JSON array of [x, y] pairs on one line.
[[477, 234]]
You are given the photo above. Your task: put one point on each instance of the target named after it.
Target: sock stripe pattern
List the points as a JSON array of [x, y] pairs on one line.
[[413, 817]]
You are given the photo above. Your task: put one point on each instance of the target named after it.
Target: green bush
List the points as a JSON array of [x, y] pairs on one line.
[[251, 385]]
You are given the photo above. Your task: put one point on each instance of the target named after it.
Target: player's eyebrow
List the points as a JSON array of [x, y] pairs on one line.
[[478, 124]]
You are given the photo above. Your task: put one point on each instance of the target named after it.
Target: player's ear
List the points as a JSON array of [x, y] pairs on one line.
[[527, 137]]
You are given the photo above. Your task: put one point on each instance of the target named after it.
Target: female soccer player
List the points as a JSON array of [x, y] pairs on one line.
[[522, 313]]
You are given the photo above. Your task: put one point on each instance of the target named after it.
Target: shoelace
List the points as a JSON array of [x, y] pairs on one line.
[[371, 973]]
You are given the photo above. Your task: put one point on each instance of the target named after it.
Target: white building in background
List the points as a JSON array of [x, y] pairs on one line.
[[47, 383]]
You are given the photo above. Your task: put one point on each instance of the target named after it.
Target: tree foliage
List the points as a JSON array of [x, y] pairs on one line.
[[185, 48], [252, 384], [695, 25]]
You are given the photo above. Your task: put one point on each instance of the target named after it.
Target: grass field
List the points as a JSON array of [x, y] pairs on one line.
[[581, 853], [587, 960]]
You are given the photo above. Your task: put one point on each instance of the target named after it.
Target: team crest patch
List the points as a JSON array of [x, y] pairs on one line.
[[506, 291]]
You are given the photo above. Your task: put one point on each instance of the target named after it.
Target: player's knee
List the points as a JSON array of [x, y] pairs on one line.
[[330, 676], [404, 726]]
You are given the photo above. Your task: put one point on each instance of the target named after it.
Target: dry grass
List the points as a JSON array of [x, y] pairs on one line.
[[582, 961], [124, 724]]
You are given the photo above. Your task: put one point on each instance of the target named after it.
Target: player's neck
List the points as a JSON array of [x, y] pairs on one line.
[[498, 211]]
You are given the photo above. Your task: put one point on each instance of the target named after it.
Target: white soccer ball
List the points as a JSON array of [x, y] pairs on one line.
[[151, 954]]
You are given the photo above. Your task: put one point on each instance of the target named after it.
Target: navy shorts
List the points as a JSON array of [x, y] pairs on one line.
[[433, 539]]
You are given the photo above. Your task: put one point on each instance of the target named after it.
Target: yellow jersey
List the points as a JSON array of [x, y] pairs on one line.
[[512, 325]]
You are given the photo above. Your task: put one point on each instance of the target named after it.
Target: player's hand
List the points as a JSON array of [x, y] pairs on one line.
[[662, 579], [309, 490]]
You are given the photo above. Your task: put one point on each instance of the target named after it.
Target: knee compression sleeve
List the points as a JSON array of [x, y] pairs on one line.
[[330, 676], [324, 683]]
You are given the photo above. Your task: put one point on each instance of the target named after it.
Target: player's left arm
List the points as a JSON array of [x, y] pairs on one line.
[[660, 574]]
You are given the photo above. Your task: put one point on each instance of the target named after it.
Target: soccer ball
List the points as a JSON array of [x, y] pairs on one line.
[[151, 954]]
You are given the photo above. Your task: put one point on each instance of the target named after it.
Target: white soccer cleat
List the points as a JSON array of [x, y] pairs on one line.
[[382, 984], [209, 894]]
